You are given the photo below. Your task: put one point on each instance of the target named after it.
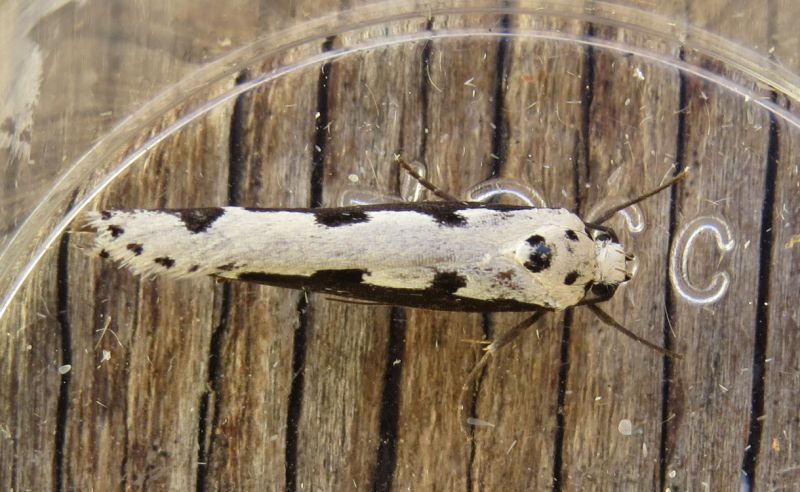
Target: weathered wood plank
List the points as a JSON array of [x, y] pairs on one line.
[[543, 116], [102, 70], [459, 97], [140, 347], [726, 142], [778, 464], [778, 461], [250, 389], [30, 345], [339, 435], [614, 381], [175, 384]]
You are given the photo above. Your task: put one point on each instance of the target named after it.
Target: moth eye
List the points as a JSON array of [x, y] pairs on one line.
[[603, 237], [540, 256], [603, 290]]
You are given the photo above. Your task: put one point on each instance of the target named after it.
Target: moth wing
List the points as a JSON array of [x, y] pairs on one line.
[[501, 277]]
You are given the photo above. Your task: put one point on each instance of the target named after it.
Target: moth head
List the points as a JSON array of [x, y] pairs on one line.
[[614, 265]]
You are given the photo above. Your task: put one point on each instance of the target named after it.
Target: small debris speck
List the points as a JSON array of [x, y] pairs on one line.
[[479, 423]]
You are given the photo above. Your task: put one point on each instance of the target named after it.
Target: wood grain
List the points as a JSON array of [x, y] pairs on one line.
[[542, 118], [197, 384], [710, 398], [613, 382], [248, 421], [458, 90]]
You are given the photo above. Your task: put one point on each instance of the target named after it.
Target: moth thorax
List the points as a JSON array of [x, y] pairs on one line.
[[612, 263]]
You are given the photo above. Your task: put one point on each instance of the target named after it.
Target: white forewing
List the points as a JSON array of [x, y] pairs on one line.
[[398, 248]]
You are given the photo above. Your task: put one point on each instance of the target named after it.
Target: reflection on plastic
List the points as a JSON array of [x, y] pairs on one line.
[[350, 196], [410, 191], [633, 216], [498, 187], [681, 251], [483, 192]]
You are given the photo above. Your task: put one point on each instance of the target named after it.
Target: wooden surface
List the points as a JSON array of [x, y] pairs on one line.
[[195, 384]]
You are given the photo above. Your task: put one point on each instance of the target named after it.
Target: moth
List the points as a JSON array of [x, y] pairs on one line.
[[444, 255]]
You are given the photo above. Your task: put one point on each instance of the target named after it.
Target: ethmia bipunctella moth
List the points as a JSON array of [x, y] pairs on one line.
[[445, 255]]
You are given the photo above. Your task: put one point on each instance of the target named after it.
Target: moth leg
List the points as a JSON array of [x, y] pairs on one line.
[[605, 318], [424, 182], [497, 344]]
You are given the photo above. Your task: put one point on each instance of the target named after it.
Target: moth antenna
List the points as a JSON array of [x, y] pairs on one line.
[[497, 344], [424, 182], [605, 318], [610, 212]]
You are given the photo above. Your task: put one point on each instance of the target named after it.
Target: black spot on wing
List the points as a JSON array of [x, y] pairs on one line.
[[336, 217], [165, 261], [570, 278], [105, 214], [116, 231], [193, 268], [541, 255], [502, 207], [227, 267], [338, 277], [447, 283], [447, 214], [331, 281], [570, 234], [349, 284], [104, 254], [291, 281], [198, 220], [135, 248], [449, 218], [536, 240]]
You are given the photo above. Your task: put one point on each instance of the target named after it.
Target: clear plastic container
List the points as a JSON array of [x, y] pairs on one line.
[[640, 92]]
